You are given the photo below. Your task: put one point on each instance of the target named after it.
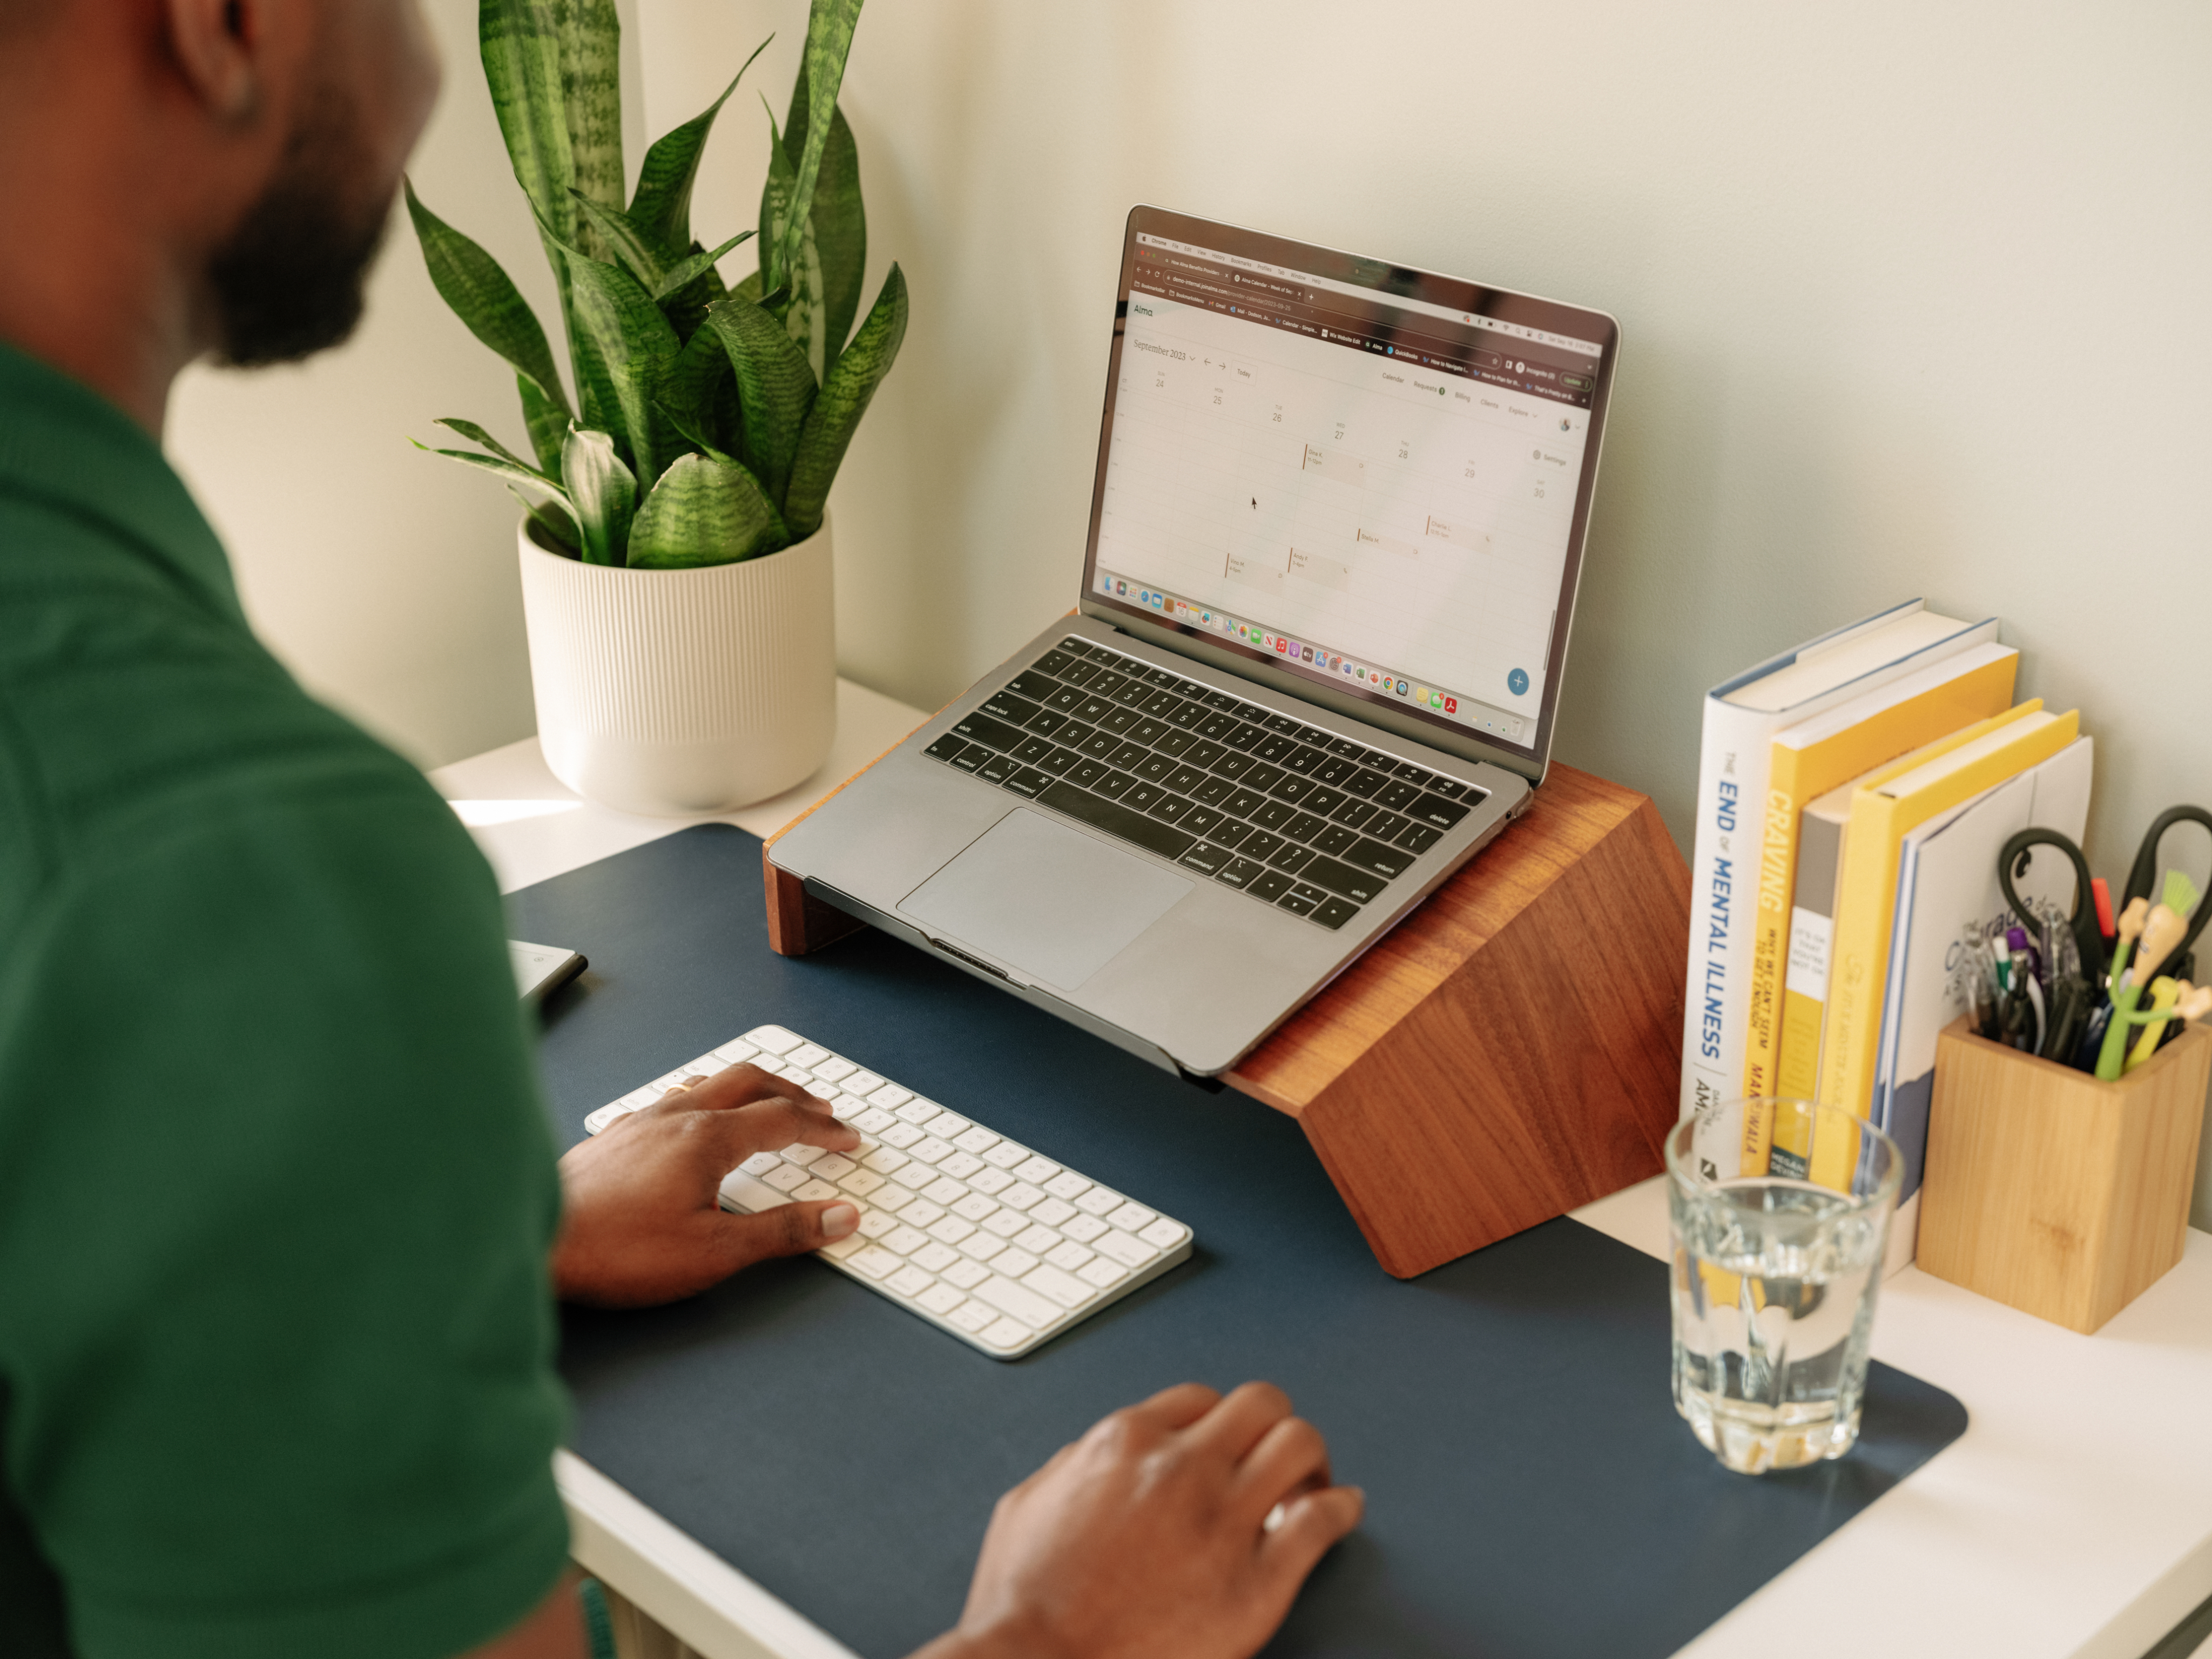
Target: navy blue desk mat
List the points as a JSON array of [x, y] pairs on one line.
[[1530, 1490]]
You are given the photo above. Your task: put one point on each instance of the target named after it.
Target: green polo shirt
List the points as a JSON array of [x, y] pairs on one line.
[[275, 1189]]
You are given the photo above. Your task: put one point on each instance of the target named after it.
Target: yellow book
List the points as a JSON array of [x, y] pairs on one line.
[[1815, 755], [1898, 798]]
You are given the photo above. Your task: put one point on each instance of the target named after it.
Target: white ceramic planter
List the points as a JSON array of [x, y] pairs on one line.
[[672, 692]]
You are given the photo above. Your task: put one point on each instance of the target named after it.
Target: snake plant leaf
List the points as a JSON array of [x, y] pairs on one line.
[[842, 400], [798, 283], [620, 237], [520, 41], [830, 26], [555, 525], [750, 288], [704, 511], [697, 433], [486, 300], [776, 388], [677, 277], [603, 492], [591, 100], [477, 434], [546, 421], [701, 369], [662, 207], [636, 348], [503, 466], [840, 228]]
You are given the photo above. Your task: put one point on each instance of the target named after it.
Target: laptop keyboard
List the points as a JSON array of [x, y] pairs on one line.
[[1295, 817]]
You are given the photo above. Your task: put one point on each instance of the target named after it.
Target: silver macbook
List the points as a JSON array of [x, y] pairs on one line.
[[1313, 666]]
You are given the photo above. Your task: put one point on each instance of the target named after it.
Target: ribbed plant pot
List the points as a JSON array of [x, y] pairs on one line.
[[673, 692]]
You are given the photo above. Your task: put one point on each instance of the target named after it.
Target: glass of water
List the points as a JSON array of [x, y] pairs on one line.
[[1780, 1213]]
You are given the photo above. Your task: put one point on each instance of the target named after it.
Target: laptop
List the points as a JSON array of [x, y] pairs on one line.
[[1313, 666]]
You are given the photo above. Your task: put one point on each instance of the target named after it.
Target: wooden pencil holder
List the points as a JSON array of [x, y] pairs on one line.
[[2052, 1191]]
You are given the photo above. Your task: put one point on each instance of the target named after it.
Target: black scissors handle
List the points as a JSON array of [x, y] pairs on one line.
[[2087, 938], [2142, 879]]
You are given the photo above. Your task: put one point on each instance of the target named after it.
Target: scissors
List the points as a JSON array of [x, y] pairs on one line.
[[2143, 879]]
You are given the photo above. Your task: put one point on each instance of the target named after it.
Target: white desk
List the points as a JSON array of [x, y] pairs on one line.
[[2072, 1521]]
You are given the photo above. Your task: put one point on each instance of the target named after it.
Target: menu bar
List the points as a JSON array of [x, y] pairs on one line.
[[1366, 322], [1307, 279]]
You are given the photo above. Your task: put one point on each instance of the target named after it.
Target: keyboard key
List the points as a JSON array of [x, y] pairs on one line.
[[1385, 826], [1292, 859], [1272, 815], [862, 1084], [1067, 1184], [1054, 1212], [983, 1245], [1270, 886], [1206, 858], [1142, 797], [1083, 1228], [1132, 1217], [939, 1299], [1126, 1247], [1068, 1255], [1037, 1169], [1118, 820], [961, 1166], [760, 1164], [876, 1262], [1005, 1224], [1002, 1292], [997, 769], [973, 1206], [892, 1197], [946, 747], [1006, 1155], [898, 1134], [1102, 1272], [815, 1191], [1417, 838], [1060, 763], [832, 1069], [833, 1166], [1063, 1288], [990, 1181], [1239, 872], [1358, 885], [1354, 814], [945, 1190], [992, 734], [772, 1039], [910, 1280], [1435, 812], [930, 1150], [951, 1230], [807, 1055], [1333, 914], [886, 1159], [1364, 783], [971, 757], [1295, 905], [1232, 833], [1100, 1202], [1304, 827], [861, 1182], [1412, 772], [1388, 862], [1155, 768], [1035, 1239], [838, 1250], [742, 1192], [599, 1120], [785, 1177], [935, 1257], [1005, 1333], [1171, 809], [946, 1125], [1007, 706], [967, 1274], [906, 1238], [1294, 790], [1023, 1196], [973, 1139], [1334, 838]]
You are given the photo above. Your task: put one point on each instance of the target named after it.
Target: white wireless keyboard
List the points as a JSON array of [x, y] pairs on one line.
[[982, 1237]]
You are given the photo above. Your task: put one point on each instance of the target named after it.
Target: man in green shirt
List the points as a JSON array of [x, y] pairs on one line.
[[277, 1200]]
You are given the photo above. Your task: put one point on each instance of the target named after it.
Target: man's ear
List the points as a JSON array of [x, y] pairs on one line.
[[218, 46]]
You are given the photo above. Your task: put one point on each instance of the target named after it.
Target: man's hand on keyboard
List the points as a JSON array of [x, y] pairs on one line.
[[1158, 1535], [641, 1221]]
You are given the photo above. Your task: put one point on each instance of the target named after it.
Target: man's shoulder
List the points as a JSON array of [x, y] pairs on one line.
[[132, 712]]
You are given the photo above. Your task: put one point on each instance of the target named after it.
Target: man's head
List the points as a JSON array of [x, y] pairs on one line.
[[209, 176]]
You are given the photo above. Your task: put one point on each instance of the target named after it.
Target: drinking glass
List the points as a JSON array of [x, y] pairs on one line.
[[1780, 1213]]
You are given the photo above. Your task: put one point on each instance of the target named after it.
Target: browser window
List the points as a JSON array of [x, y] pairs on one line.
[[1367, 484]]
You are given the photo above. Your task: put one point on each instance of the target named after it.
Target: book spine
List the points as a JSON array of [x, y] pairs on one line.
[[1732, 766], [1779, 806]]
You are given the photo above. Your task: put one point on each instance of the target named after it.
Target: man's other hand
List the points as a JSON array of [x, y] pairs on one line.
[[1179, 1529], [641, 1222]]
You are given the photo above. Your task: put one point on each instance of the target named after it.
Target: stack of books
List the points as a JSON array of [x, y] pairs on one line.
[[1852, 797]]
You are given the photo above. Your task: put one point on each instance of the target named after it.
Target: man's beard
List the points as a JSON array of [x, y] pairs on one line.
[[288, 282]]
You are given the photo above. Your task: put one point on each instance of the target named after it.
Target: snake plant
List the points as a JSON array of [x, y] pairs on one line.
[[709, 422]]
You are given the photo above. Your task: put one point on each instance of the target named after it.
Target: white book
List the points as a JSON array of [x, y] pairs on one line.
[[1742, 716], [1947, 881]]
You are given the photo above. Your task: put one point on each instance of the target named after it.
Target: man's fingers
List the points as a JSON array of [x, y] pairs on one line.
[[1290, 1458], [788, 1230], [741, 1085], [1311, 1524], [1232, 1428], [1177, 1408], [727, 1139]]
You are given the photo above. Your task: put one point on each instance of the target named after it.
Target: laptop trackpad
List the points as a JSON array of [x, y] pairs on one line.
[[1045, 900]]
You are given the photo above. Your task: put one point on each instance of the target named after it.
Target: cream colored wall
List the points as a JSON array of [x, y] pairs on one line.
[[1912, 296]]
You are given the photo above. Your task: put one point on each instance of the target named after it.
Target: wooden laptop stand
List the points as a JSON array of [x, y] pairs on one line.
[[1510, 1050]]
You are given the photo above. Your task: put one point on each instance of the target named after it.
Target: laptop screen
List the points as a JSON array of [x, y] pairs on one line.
[[1370, 478]]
